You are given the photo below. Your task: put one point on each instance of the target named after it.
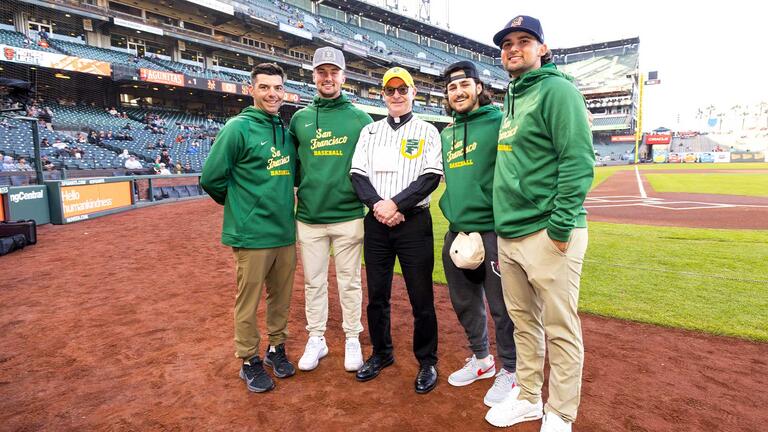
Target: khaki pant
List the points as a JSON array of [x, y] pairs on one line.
[[541, 291], [316, 241], [256, 268]]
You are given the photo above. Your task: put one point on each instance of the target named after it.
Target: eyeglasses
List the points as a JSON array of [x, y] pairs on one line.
[[390, 91]]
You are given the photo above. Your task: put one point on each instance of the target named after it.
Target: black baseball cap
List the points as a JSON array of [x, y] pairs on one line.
[[522, 23], [460, 70]]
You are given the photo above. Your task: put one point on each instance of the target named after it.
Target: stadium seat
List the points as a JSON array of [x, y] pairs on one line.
[[169, 192], [193, 190], [51, 175], [182, 191], [19, 180], [155, 192]]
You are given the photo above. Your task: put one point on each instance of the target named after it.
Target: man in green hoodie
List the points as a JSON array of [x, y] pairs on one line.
[[250, 171], [329, 213], [471, 263], [544, 169]]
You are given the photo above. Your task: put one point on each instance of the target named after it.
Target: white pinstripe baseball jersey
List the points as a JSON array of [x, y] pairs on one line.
[[393, 159]]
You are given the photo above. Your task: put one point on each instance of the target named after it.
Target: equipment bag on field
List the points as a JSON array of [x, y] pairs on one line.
[[12, 243], [28, 228]]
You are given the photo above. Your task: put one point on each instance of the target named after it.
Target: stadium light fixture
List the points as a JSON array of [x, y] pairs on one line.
[[62, 76]]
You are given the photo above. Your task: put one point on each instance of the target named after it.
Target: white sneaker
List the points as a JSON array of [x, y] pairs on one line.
[[313, 352], [554, 423], [512, 411], [504, 384], [472, 371], [353, 355]]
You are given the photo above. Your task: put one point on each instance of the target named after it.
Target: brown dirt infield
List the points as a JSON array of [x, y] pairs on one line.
[[746, 212], [125, 323]]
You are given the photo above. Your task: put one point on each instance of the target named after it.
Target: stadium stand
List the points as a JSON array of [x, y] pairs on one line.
[[186, 66]]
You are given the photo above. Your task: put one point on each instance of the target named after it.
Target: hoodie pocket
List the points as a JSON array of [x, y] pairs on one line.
[[519, 197], [245, 223]]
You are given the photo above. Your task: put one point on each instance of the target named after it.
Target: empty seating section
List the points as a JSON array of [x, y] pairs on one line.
[[179, 152], [17, 142], [68, 121], [196, 71], [615, 151], [602, 68], [107, 55], [612, 120], [278, 13], [12, 38]]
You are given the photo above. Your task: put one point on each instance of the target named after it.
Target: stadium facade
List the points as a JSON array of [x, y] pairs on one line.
[[186, 64]]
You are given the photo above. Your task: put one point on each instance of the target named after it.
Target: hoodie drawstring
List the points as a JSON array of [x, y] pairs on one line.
[[464, 146], [453, 129], [317, 119], [506, 101], [274, 136], [282, 132], [514, 84]]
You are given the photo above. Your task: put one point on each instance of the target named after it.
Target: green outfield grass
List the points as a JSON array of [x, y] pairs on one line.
[[714, 281], [705, 166], [603, 173], [746, 184], [700, 279]]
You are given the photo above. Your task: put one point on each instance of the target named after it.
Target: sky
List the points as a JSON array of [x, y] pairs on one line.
[[706, 54]]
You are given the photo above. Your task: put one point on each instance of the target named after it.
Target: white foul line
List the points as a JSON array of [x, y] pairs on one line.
[[640, 183]]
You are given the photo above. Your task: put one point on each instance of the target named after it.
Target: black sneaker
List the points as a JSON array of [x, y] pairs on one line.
[[279, 362], [255, 377]]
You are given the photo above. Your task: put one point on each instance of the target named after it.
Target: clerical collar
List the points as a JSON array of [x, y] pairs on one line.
[[396, 122]]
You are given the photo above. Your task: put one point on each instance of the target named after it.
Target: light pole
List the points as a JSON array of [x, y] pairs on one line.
[[639, 125], [653, 79]]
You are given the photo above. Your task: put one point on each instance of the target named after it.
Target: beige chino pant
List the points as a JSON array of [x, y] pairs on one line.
[[316, 241], [256, 268], [541, 291]]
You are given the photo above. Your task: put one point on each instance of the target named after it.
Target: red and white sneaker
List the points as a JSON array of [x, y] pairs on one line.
[[472, 371], [501, 388]]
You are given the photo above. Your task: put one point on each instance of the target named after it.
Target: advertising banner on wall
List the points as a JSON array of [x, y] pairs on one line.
[[622, 138], [55, 61], [722, 157], [658, 139], [161, 77], [84, 199], [26, 202], [747, 156], [675, 158]]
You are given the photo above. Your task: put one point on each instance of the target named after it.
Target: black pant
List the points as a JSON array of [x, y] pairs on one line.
[[412, 243], [467, 289]]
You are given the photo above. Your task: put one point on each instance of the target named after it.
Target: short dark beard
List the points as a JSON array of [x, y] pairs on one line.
[[471, 107], [328, 97]]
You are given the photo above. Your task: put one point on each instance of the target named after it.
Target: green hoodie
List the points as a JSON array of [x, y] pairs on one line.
[[545, 161], [469, 154], [327, 131], [250, 170]]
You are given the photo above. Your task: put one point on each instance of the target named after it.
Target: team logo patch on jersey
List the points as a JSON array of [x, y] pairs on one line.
[[412, 148]]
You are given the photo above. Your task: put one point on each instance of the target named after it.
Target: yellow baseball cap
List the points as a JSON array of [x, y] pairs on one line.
[[398, 72]]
